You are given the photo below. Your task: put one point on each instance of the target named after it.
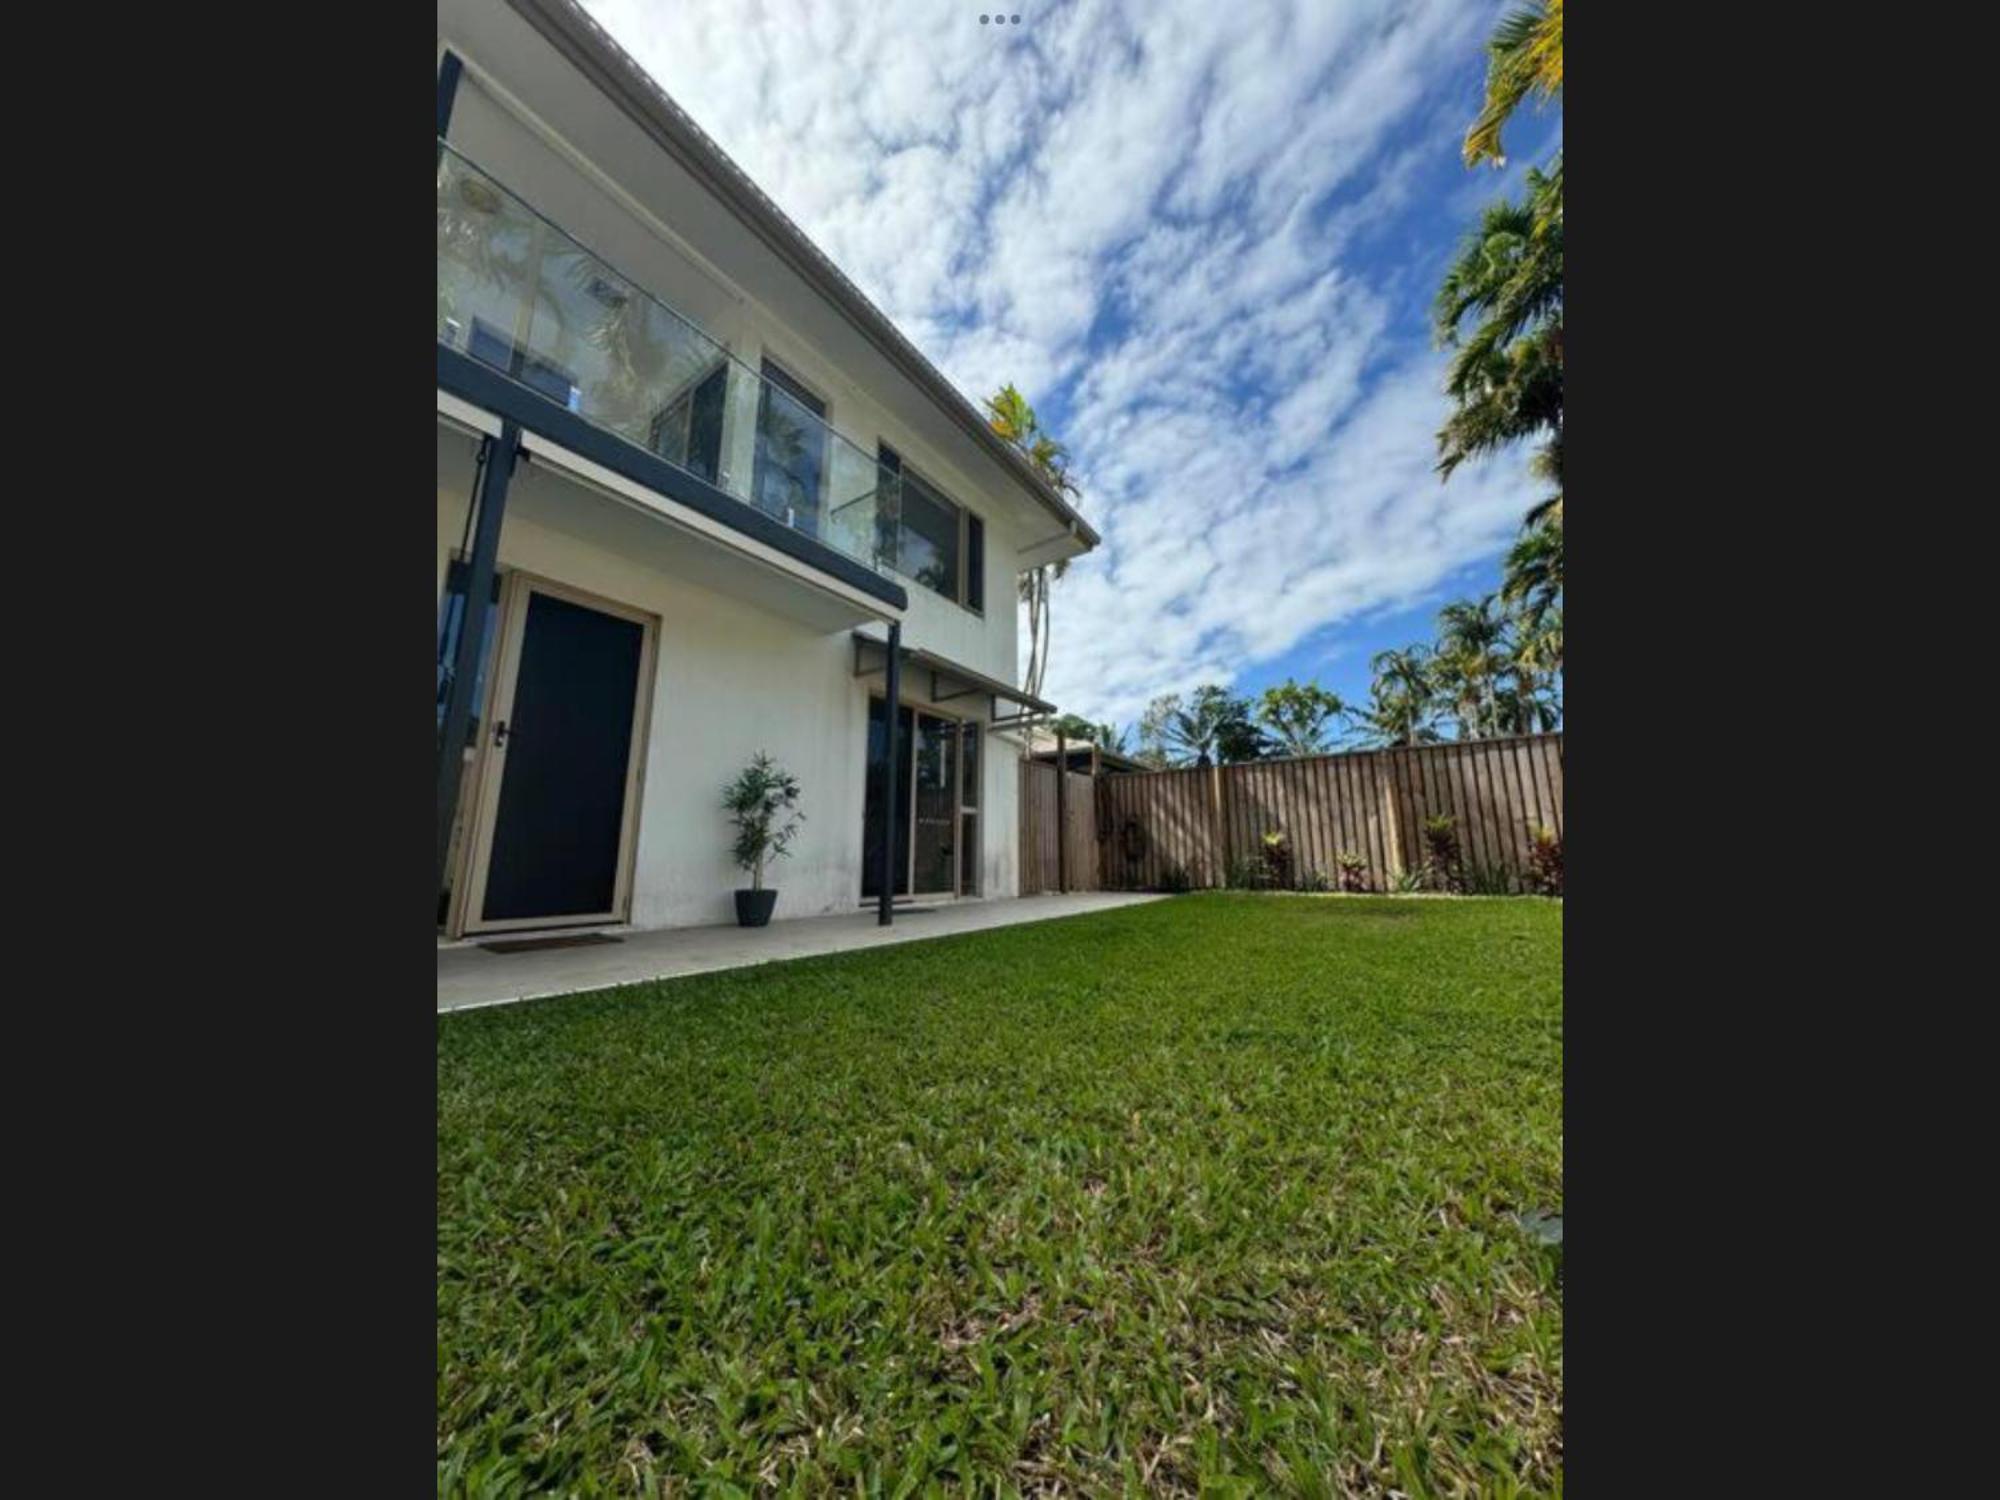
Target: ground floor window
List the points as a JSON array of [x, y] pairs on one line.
[[937, 803]]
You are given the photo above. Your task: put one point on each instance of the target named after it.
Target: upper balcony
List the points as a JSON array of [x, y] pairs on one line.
[[520, 298]]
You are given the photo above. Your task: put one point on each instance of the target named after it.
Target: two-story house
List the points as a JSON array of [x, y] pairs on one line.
[[709, 502]]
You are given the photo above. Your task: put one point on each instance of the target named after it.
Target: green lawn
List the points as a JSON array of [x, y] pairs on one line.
[[1216, 1193]]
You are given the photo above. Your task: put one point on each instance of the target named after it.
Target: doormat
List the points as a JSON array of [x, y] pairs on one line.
[[535, 945]]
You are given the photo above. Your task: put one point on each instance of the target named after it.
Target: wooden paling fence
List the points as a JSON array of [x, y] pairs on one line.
[[1080, 868], [1151, 827]]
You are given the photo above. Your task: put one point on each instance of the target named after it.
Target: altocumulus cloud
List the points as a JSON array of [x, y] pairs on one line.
[[1173, 224]]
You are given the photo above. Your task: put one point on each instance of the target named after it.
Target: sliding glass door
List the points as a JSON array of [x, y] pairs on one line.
[[934, 825], [936, 851], [873, 823]]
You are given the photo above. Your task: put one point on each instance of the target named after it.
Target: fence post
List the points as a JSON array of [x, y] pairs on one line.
[[1062, 814], [1392, 824], [1097, 820], [1221, 826]]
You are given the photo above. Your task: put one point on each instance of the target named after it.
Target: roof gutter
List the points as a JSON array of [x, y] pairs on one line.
[[579, 38]]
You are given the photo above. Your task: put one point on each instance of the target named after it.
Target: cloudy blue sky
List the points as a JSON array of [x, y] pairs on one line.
[[1203, 238]]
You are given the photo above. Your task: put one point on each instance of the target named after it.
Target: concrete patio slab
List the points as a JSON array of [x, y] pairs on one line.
[[468, 975]]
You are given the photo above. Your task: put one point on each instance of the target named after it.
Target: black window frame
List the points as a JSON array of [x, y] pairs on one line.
[[692, 392], [971, 580], [774, 374]]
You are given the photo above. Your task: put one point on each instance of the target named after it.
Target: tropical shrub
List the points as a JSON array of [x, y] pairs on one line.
[[1245, 873], [1353, 872], [1175, 881], [1278, 860], [1545, 862], [1441, 844], [1486, 880]]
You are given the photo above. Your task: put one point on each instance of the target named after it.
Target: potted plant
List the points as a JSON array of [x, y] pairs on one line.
[[762, 803]]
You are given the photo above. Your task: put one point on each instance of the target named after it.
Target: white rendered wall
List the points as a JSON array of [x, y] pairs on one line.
[[732, 679]]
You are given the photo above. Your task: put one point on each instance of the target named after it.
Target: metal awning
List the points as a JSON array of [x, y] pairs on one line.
[[948, 680]]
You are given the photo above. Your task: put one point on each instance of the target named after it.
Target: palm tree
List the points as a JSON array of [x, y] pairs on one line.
[[1541, 642], [1532, 579], [1474, 652], [1193, 733], [1501, 310], [1013, 419], [1009, 415], [1391, 719], [1404, 697], [1532, 700], [1213, 727], [1525, 57]]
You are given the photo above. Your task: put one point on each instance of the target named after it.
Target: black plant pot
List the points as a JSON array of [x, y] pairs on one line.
[[753, 908]]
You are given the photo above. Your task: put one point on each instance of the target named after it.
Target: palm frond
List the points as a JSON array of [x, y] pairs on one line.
[[1523, 59]]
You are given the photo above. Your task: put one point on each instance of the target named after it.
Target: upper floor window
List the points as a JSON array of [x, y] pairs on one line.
[[939, 543], [688, 429], [790, 469]]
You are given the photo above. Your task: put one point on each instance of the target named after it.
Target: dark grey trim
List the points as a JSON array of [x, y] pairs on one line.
[[620, 79], [496, 467], [893, 693], [448, 70], [940, 666], [486, 387]]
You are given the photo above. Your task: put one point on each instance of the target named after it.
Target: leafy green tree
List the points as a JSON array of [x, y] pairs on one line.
[[1153, 725], [1074, 727], [1523, 59], [1300, 717], [1241, 738], [1079, 730]]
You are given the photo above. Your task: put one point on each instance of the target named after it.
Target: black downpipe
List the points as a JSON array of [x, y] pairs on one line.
[[894, 692], [497, 468]]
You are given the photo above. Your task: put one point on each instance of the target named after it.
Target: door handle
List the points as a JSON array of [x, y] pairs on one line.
[[500, 734]]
